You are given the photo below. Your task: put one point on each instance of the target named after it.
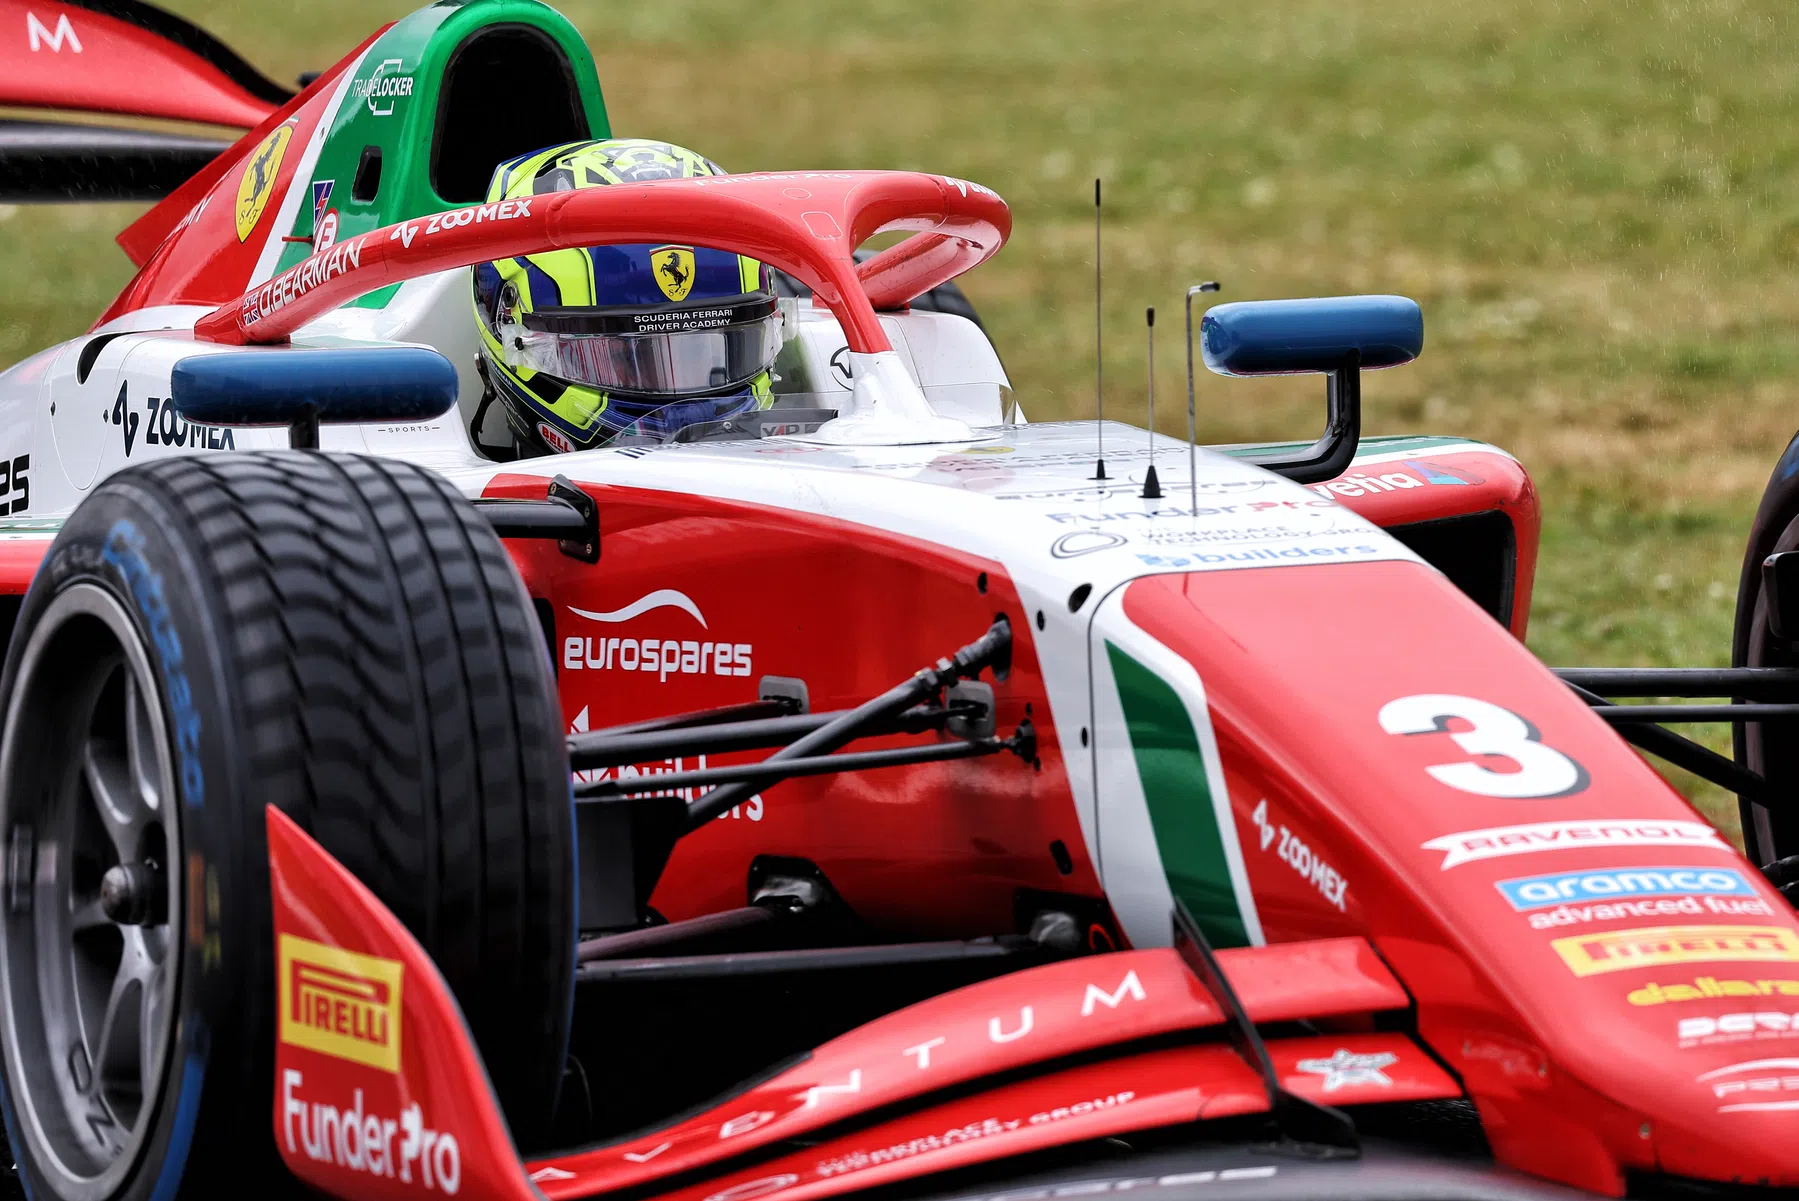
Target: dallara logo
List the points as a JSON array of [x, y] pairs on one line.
[[340, 1003], [1593, 954]]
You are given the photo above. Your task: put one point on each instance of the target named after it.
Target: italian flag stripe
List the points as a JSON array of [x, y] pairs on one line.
[[1179, 798]]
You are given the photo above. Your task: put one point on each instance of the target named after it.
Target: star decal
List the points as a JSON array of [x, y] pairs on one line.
[[1346, 1067]]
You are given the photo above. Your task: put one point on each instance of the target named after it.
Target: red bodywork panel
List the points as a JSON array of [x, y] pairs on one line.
[[988, 823], [188, 246], [1436, 486], [65, 56], [999, 1027], [19, 560], [1301, 683], [367, 1027]]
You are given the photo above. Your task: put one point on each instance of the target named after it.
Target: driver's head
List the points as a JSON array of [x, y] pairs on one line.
[[580, 346]]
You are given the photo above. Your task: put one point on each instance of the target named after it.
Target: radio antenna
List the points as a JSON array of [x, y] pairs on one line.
[[1211, 285], [1099, 366], [1152, 488]]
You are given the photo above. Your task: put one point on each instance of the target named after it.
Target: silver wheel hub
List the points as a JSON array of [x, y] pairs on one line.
[[90, 942]]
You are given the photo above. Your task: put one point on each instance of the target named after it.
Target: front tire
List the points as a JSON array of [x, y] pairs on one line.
[[1770, 749], [344, 638]]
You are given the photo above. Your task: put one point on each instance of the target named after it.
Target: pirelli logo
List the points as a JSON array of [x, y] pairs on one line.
[[340, 1003], [1593, 954]]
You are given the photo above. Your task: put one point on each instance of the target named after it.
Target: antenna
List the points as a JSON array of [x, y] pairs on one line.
[[1099, 368], [1152, 488], [1211, 285]]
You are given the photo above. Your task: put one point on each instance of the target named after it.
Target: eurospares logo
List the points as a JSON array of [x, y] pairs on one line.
[[340, 1003], [1621, 950], [1539, 892], [665, 656]]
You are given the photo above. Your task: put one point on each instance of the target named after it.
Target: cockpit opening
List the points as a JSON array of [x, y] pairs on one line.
[[479, 128]]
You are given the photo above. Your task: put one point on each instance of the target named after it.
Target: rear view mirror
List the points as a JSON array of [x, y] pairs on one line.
[[1339, 337], [303, 388]]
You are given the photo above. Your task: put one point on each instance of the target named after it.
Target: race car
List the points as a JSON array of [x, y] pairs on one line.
[[386, 820]]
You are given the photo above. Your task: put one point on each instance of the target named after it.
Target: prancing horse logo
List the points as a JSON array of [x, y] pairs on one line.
[[674, 271], [258, 182]]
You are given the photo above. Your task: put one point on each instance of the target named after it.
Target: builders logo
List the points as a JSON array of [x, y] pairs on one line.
[[340, 1003], [258, 182], [1594, 954], [1538, 892]]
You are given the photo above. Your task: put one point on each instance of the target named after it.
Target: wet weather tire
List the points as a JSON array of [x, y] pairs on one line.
[[1769, 749], [344, 638]]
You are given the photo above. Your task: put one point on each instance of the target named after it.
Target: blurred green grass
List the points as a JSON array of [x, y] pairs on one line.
[[1596, 203]]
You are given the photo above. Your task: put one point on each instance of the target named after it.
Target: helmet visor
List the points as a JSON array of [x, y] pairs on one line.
[[663, 352]]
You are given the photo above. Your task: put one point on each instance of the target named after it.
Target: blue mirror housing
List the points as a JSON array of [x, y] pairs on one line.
[[1287, 337], [301, 389], [1337, 336]]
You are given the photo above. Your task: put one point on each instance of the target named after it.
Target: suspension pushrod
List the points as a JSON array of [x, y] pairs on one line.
[[1683, 752], [1632, 714], [612, 748], [774, 770], [990, 649], [1749, 683]]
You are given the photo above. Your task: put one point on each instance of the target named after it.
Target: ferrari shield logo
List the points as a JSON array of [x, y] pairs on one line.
[[673, 266], [258, 183]]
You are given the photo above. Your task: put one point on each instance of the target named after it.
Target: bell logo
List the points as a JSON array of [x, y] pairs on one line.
[[340, 1003], [1593, 954]]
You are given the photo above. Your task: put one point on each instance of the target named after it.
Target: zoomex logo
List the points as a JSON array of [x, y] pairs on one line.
[[1594, 954], [340, 1003], [1538, 892]]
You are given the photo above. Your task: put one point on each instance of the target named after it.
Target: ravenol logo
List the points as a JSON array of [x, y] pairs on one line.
[[1539, 892], [340, 1003], [1593, 954]]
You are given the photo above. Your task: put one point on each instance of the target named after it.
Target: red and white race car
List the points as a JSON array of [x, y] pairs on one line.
[[391, 819]]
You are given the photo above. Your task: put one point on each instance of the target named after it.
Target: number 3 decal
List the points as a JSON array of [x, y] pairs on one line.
[[1542, 771]]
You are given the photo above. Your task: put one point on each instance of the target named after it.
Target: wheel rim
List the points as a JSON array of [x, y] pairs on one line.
[[89, 945]]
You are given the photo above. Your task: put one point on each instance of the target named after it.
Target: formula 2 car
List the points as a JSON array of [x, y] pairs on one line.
[[387, 819]]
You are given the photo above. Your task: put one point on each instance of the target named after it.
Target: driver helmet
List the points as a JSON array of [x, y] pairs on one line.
[[582, 346]]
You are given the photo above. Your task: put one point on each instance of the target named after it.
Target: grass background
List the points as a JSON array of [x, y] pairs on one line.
[[1597, 204]]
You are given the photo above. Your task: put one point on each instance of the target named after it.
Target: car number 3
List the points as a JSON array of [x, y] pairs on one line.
[[1542, 771]]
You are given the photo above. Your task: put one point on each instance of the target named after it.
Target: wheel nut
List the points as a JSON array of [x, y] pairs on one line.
[[128, 893]]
